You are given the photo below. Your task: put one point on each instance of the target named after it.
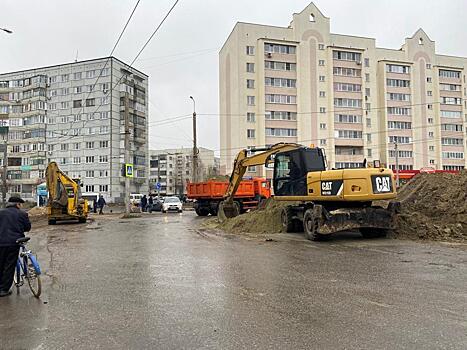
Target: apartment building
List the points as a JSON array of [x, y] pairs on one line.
[[172, 168], [59, 113], [304, 84]]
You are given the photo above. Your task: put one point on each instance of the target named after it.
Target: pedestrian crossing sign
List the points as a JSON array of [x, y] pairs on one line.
[[128, 170]]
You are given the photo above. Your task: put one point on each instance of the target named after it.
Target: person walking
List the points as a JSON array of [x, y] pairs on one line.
[[13, 224], [144, 203], [101, 203], [150, 202]]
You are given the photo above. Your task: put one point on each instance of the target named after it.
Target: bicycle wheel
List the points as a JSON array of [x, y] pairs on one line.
[[34, 280]]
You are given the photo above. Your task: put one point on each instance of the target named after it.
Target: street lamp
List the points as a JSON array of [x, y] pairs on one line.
[[195, 148], [6, 30]]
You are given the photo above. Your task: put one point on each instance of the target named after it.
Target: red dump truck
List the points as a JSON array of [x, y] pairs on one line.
[[209, 194]]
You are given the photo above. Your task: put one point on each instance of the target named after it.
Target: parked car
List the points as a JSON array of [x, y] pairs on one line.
[[135, 198], [172, 204], [157, 205]]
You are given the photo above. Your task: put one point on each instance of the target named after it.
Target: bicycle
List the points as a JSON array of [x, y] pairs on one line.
[[27, 268]]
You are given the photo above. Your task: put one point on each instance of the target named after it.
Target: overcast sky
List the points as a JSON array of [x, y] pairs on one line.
[[182, 59]]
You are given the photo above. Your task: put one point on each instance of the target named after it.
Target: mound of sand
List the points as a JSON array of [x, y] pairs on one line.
[[37, 213], [434, 207]]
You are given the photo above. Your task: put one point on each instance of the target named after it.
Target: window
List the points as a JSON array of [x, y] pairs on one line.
[[399, 139], [429, 93], [322, 109], [280, 115], [322, 142], [322, 78], [398, 83], [281, 82], [250, 67], [63, 105], [348, 151], [252, 169], [430, 120], [348, 134], [250, 133], [347, 56], [431, 148], [400, 154], [78, 89], [90, 102], [250, 84], [368, 138], [395, 68], [443, 73], [429, 80], [250, 100], [451, 100], [281, 132], [103, 144], [367, 77], [89, 173], [367, 62], [250, 117], [346, 118], [399, 125], [322, 126], [103, 115], [76, 146], [398, 97], [449, 87], [322, 94], [89, 159], [451, 127], [76, 160], [451, 114], [347, 102], [429, 106], [369, 152], [368, 122], [77, 103], [320, 46], [348, 72], [275, 65], [453, 167], [65, 78], [431, 134], [428, 66], [103, 159], [450, 141], [348, 165], [104, 129], [90, 74], [64, 147], [282, 99], [89, 144], [277, 48], [250, 50], [347, 87], [367, 92], [321, 62], [453, 155]]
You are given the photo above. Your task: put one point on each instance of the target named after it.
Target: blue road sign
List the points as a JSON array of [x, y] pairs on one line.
[[158, 186]]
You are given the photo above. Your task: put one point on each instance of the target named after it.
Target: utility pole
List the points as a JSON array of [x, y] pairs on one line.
[[127, 152], [159, 174], [397, 164], [195, 147], [5, 169]]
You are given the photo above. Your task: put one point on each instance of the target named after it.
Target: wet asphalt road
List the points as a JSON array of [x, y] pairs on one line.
[[159, 283]]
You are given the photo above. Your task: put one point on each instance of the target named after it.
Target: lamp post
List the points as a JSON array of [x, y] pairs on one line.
[[195, 148]]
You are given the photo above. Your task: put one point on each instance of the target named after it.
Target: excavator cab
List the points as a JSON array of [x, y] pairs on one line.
[[291, 169]]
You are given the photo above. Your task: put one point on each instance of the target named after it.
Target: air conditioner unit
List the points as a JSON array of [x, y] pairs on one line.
[[269, 55], [359, 63]]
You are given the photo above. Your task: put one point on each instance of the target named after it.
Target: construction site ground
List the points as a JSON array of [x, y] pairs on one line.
[[165, 281]]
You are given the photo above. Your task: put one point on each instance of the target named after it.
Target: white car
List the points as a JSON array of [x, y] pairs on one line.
[[172, 204]]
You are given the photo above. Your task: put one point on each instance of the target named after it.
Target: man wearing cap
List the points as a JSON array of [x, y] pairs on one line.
[[13, 223]]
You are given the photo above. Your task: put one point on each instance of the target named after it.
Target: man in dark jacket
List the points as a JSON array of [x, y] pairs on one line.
[[144, 203], [13, 223], [101, 203]]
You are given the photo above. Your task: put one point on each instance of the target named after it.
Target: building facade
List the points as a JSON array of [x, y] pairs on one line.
[[304, 84], [59, 113], [172, 168]]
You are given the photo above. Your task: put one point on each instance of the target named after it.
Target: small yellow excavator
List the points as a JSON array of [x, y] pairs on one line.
[[65, 201], [329, 201]]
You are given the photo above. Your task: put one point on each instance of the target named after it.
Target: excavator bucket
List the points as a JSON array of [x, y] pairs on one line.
[[227, 209]]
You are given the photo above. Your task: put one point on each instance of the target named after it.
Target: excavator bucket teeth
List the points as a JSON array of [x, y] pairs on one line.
[[227, 210]]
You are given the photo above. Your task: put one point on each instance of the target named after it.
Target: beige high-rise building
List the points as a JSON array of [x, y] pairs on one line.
[[304, 84]]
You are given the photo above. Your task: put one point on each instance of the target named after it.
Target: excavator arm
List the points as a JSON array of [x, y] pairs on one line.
[[227, 208]]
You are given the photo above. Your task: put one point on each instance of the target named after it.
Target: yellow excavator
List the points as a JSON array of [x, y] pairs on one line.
[[322, 201], [65, 200]]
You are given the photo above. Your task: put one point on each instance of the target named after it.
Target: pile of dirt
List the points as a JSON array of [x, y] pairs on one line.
[[266, 219], [434, 207], [37, 213]]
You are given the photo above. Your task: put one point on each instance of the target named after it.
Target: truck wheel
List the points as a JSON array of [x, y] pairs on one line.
[[82, 220], [373, 232], [288, 224], [298, 225], [52, 222], [311, 225], [202, 211]]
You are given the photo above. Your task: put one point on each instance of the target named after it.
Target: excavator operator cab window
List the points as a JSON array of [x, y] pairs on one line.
[[291, 169]]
